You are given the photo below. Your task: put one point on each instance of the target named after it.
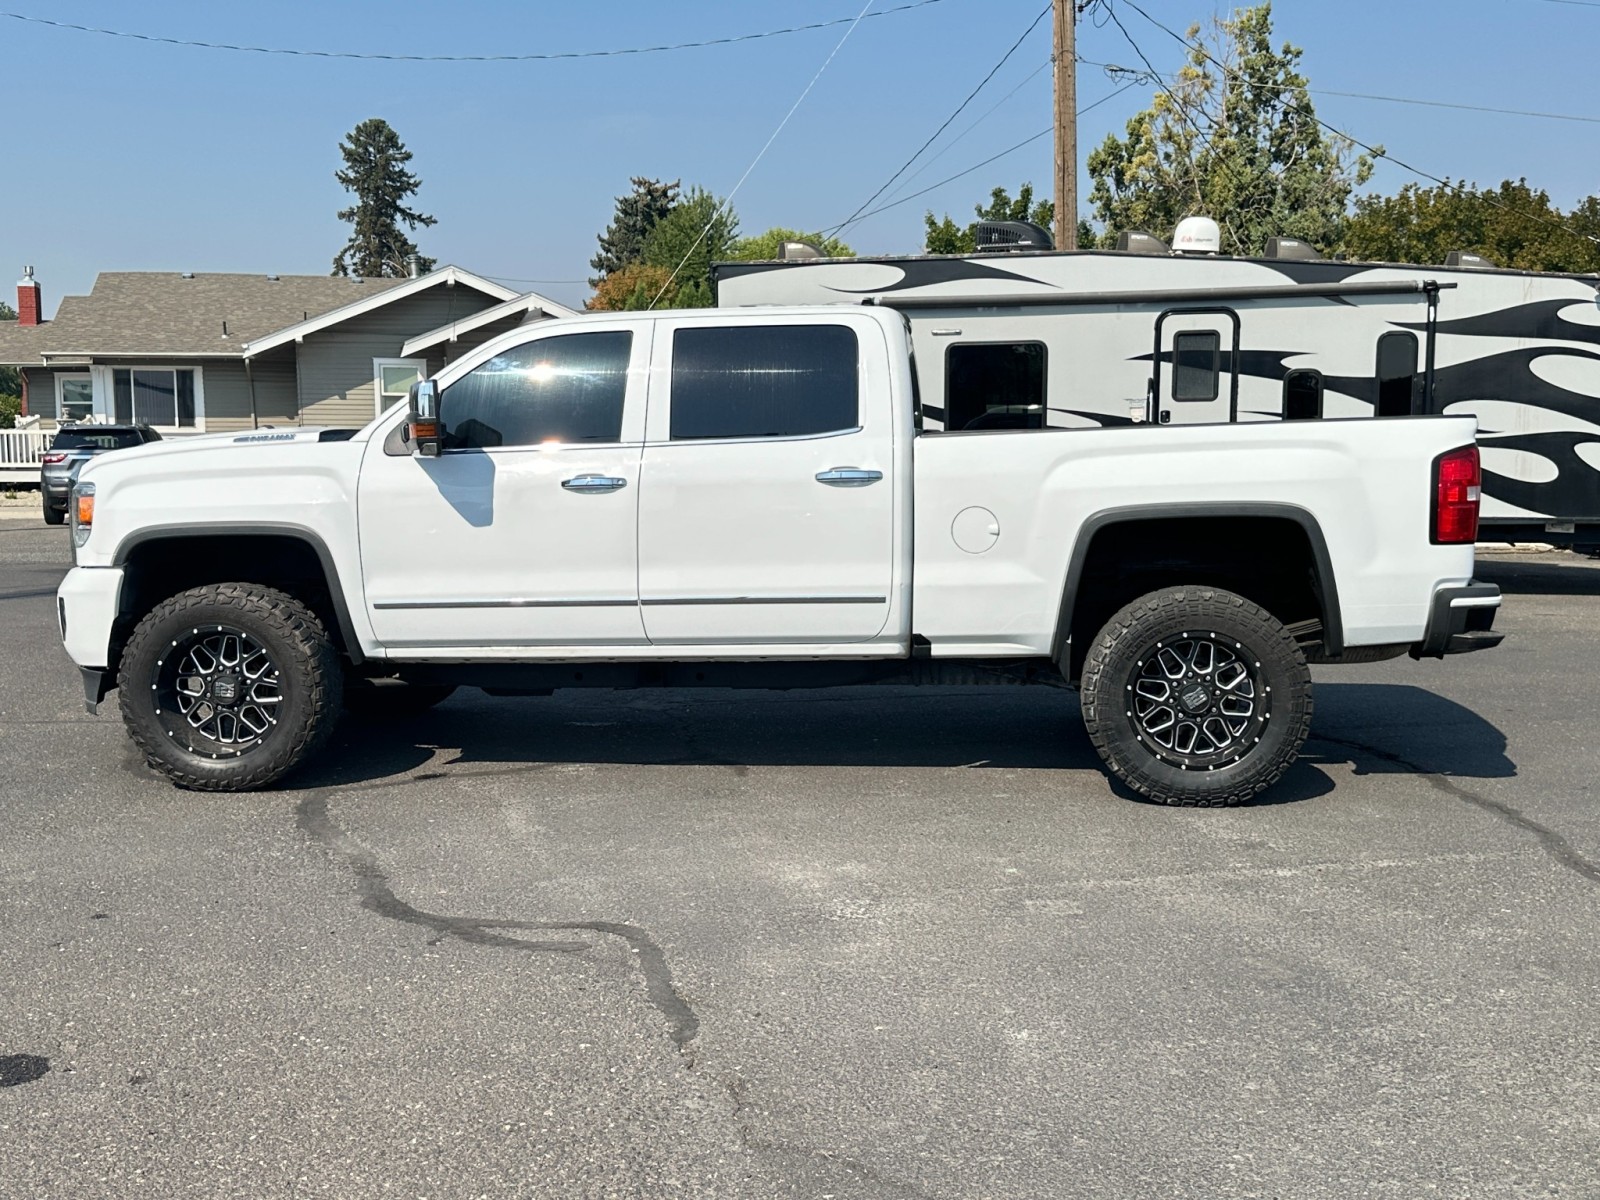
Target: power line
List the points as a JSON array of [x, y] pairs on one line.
[[551, 57], [992, 158], [760, 154], [995, 107], [959, 108], [1373, 150]]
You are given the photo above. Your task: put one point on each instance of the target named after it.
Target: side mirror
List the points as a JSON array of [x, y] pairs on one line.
[[426, 432]]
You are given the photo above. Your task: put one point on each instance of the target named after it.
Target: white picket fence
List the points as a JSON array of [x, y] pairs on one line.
[[20, 452]]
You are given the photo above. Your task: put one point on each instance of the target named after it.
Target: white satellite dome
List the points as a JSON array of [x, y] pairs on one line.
[[1197, 235]]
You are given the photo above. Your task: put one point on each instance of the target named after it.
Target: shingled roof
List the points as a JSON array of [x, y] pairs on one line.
[[163, 313]]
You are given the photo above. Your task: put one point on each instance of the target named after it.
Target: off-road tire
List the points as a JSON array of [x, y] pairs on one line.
[[1114, 666], [308, 670], [391, 699], [54, 515]]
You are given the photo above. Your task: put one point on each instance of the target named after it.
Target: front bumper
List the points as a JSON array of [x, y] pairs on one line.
[[1460, 621], [86, 607]]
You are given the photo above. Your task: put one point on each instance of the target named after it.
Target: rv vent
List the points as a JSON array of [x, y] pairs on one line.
[[1287, 247], [1467, 261], [1136, 241], [798, 250], [1013, 235]]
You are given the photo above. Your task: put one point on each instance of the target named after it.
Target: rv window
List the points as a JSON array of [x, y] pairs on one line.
[[1397, 369], [745, 381], [1196, 366], [1302, 396], [996, 385]]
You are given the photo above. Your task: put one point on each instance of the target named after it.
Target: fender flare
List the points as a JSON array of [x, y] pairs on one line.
[[1326, 586], [300, 533]]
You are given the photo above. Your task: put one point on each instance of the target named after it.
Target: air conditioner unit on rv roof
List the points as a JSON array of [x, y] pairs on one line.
[[1287, 247], [1467, 260], [1012, 235], [1137, 241]]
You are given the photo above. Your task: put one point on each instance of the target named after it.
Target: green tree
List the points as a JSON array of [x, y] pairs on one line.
[[375, 171], [10, 380], [1234, 138], [946, 237], [767, 245], [637, 215], [699, 231], [1512, 225]]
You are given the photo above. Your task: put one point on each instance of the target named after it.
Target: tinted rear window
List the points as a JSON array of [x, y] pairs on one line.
[[744, 381], [99, 439]]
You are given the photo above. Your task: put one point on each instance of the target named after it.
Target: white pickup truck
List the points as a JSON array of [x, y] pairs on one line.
[[743, 498]]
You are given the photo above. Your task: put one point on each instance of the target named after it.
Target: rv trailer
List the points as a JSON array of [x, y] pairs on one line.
[[1027, 338]]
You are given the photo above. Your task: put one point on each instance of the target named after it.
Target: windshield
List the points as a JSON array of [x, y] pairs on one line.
[[97, 439]]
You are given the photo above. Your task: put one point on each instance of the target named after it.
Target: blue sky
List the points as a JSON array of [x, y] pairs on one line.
[[130, 155]]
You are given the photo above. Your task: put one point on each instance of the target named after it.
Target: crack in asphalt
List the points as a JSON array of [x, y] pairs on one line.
[[1551, 842], [378, 896]]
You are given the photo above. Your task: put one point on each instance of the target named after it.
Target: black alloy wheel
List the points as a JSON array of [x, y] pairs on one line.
[[1196, 696]]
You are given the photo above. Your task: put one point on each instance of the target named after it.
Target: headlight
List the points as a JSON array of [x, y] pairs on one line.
[[82, 509]]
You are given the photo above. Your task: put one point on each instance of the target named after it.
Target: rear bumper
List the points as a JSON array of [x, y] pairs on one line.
[[1460, 621]]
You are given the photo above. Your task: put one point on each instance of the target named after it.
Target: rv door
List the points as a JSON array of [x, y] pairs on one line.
[[1195, 372]]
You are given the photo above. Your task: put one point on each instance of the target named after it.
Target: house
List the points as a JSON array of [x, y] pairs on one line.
[[195, 352]]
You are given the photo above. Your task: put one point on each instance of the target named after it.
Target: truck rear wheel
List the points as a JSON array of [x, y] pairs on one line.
[[227, 687], [1196, 696]]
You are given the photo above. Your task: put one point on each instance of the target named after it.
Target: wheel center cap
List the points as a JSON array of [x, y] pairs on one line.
[[1195, 698], [225, 689]]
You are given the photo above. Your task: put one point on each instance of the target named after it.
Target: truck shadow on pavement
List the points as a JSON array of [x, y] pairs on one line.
[[1377, 728]]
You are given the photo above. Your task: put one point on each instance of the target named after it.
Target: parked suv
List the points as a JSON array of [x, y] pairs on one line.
[[73, 446]]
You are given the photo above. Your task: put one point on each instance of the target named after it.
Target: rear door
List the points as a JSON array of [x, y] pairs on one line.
[[1196, 366], [767, 499]]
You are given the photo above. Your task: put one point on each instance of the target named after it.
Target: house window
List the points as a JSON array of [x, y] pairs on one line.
[[161, 396], [994, 386], [393, 377], [74, 397], [757, 381]]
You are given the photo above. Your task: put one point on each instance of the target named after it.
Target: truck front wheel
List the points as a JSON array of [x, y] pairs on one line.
[[1196, 696], [229, 686]]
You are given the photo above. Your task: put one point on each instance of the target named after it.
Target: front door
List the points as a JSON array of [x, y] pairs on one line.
[[767, 512], [523, 531], [1196, 369]]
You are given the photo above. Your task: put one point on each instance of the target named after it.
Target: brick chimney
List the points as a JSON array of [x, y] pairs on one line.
[[30, 304]]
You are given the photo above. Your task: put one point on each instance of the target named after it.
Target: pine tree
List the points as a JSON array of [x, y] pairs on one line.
[[638, 213], [375, 170]]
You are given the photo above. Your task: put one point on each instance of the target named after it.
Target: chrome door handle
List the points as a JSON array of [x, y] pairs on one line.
[[593, 484], [848, 477]]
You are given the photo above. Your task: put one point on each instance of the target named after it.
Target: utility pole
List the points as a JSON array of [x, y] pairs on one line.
[[1066, 56]]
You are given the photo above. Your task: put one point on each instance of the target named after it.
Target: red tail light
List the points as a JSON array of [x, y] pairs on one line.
[[52, 459], [1457, 486]]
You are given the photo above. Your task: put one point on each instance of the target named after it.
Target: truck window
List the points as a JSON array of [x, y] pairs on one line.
[[1302, 395], [1397, 370], [1196, 364], [994, 385], [569, 388], [744, 381]]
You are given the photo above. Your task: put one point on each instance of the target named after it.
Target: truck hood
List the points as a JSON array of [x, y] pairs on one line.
[[257, 440]]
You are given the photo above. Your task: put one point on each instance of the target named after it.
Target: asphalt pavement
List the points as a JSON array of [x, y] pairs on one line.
[[875, 942]]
